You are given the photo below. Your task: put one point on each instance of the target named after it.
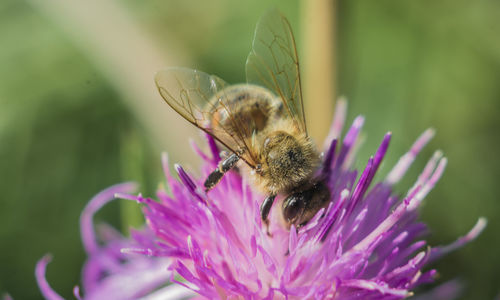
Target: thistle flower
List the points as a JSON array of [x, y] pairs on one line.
[[366, 244], [108, 273]]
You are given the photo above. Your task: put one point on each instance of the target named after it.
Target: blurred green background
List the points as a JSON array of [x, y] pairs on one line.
[[79, 112]]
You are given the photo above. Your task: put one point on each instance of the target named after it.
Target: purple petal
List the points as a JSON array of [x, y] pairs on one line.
[[338, 121], [349, 140], [438, 252], [381, 288], [44, 286], [406, 160], [86, 226], [213, 148]]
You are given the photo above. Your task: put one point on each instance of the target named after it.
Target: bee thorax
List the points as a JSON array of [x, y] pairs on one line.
[[288, 161]]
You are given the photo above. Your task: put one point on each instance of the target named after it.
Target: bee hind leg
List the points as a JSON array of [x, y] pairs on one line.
[[265, 208], [224, 166]]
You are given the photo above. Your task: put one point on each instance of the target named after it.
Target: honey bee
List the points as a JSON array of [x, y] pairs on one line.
[[261, 122]]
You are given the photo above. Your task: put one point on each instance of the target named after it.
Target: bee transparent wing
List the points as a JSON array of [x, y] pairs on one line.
[[191, 93], [274, 64]]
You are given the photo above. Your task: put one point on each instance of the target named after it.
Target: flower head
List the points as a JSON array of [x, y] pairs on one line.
[[366, 244], [108, 272]]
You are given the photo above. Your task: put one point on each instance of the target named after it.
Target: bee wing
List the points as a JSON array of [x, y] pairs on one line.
[[274, 64], [191, 94]]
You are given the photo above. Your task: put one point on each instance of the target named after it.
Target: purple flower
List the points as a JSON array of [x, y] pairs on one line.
[[108, 272], [367, 244]]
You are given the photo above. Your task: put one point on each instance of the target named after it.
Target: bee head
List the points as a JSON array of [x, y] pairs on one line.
[[299, 207]]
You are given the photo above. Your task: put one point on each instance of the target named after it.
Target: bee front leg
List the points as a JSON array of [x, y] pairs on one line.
[[265, 208], [224, 166]]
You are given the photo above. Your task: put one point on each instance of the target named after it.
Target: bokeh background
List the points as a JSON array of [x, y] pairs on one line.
[[79, 112]]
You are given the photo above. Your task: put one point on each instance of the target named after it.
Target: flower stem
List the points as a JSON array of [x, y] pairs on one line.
[[319, 64]]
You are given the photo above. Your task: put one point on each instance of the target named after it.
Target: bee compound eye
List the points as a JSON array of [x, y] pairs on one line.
[[293, 207]]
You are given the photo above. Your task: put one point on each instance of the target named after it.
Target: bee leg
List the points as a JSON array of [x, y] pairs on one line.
[[265, 208], [222, 168]]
